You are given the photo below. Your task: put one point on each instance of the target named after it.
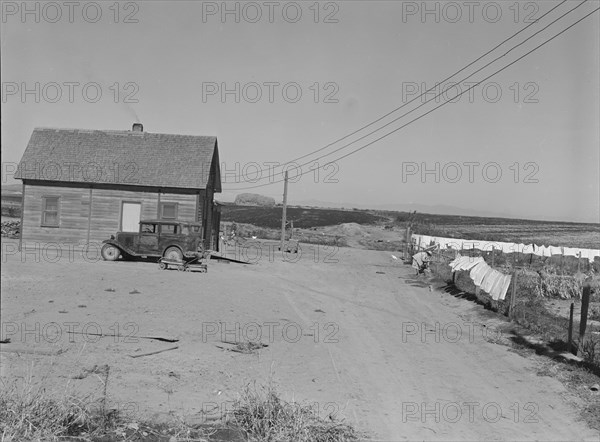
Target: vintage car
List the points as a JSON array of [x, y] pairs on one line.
[[173, 240]]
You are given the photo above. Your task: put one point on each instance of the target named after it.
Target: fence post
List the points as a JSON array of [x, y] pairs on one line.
[[570, 347], [513, 295], [493, 249], [562, 260], [585, 302], [588, 264]]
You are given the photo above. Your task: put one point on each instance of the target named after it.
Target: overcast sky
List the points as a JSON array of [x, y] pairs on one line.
[[166, 64]]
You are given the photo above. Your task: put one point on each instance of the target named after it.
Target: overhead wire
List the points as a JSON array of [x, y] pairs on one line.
[[419, 96], [437, 107]]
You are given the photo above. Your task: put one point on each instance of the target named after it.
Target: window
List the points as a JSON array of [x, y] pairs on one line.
[[50, 211], [168, 210], [148, 228], [168, 228]]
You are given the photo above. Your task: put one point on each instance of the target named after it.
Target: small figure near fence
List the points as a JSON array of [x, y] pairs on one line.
[[420, 261]]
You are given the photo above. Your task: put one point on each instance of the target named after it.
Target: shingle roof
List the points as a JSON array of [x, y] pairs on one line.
[[120, 157]]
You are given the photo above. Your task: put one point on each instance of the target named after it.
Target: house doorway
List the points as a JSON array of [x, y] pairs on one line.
[[130, 217]]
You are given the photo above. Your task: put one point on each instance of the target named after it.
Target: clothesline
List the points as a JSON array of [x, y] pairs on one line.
[[505, 247]]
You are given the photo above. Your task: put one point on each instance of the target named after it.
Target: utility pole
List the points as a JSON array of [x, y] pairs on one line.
[[285, 184]]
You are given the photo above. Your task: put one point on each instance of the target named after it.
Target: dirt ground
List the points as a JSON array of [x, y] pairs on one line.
[[353, 333]]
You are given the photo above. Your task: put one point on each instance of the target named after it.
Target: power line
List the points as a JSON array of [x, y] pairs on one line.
[[442, 93], [444, 103], [422, 94]]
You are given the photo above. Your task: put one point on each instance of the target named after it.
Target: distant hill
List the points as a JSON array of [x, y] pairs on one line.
[[12, 188], [254, 199], [407, 207]]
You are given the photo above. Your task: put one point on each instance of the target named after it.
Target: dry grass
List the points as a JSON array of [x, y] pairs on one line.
[[263, 416], [30, 412]]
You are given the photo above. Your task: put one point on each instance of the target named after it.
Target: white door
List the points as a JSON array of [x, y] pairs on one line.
[[130, 217]]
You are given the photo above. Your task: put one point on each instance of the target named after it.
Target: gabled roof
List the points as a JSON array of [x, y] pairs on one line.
[[121, 157]]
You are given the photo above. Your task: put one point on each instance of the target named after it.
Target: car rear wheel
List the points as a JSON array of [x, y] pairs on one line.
[[110, 252], [174, 254]]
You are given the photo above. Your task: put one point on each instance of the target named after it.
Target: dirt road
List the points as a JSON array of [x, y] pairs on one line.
[[359, 338]]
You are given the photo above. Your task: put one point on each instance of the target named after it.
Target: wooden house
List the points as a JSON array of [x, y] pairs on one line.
[[82, 186]]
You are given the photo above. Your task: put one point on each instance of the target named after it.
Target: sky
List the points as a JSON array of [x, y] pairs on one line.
[[275, 81]]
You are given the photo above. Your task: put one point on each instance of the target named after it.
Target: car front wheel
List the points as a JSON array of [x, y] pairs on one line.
[[174, 254], [110, 252]]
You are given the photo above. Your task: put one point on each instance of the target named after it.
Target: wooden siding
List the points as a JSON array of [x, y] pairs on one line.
[[208, 218], [216, 227], [106, 206], [72, 215], [201, 208]]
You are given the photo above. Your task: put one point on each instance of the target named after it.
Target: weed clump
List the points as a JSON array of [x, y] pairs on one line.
[[264, 416]]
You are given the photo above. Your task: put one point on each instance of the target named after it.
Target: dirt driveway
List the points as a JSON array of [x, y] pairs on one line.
[[358, 338]]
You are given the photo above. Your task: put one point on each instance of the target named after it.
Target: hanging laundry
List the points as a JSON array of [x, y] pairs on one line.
[[504, 288], [444, 243], [465, 262], [499, 290], [470, 245], [425, 240], [455, 244], [494, 285], [589, 254], [478, 273], [555, 250], [570, 251], [529, 248], [488, 246], [505, 247], [508, 247], [489, 279]]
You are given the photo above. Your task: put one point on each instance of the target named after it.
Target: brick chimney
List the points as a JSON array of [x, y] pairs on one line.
[[137, 127]]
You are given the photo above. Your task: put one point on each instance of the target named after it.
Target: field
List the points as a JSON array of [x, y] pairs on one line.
[[463, 227], [303, 217]]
